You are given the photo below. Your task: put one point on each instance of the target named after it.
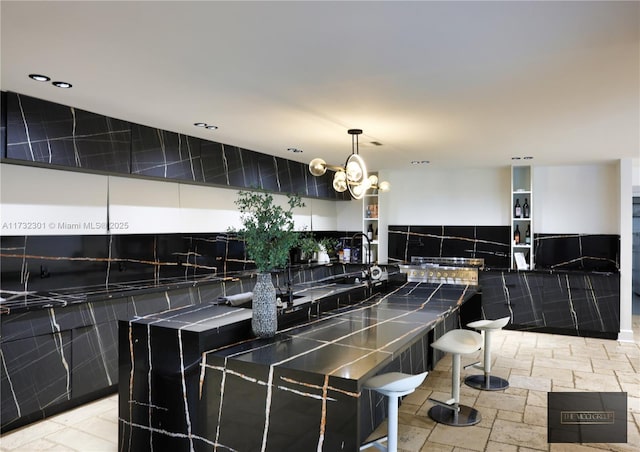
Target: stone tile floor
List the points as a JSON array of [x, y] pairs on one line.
[[512, 420]]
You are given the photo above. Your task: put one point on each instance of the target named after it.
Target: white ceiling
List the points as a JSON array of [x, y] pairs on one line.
[[455, 83]]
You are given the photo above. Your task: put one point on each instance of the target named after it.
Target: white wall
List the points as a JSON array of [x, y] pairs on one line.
[[39, 201], [446, 196], [576, 199], [44, 201]]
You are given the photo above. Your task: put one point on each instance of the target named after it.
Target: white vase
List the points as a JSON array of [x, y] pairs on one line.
[[264, 320]]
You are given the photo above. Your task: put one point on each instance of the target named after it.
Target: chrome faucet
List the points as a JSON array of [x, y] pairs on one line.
[[368, 251]]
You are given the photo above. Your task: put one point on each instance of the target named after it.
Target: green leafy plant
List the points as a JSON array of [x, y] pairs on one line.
[[330, 245], [267, 229], [308, 245]]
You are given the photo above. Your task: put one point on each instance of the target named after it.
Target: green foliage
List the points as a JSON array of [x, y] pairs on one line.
[[268, 229], [308, 244], [330, 245]]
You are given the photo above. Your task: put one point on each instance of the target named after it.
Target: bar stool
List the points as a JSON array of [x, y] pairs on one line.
[[486, 381], [393, 385], [457, 342]]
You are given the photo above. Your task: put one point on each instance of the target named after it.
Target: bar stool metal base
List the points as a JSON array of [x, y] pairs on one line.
[[486, 382], [465, 417], [377, 443]]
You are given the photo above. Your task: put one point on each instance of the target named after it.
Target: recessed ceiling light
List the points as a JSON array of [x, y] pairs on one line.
[[200, 124], [295, 150], [528, 157], [210, 127], [420, 162], [61, 84], [39, 77], [515, 158]]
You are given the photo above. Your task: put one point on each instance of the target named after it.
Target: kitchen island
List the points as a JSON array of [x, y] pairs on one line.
[[301, 390]]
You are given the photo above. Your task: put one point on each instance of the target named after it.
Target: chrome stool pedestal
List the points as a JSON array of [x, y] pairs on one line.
[[487, 382], [456, 342]]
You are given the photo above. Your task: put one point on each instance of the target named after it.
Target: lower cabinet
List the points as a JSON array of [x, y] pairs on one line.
[[574, 303]]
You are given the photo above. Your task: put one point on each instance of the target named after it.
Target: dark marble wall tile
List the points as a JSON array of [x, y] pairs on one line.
[[41, 131], [3, 124], [40, 270], [488, 242], [599, 252], [164, 154]]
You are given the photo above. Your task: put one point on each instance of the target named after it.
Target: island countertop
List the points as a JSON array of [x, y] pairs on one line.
[[302, 389]]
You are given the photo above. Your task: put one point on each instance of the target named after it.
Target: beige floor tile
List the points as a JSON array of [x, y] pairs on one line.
[[509, 415], [473, 438], [570, 447], [411, 438], [501, 447], [519, 434], [501, 401], [535, 415], [71, 418], [488, 415], [78, 440], [515, 363], [591, 351], [621, 366], [535, 383], [432, 447], [97, 426], [537, 398], [552, 373], [24, 435], [572, 364], [40, 444], [417, 397], [587, 381]]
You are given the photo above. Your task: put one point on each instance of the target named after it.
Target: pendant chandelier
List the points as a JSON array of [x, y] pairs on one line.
[[353, 175]]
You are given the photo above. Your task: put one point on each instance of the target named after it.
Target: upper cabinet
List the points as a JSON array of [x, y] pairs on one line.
[[521, 218]]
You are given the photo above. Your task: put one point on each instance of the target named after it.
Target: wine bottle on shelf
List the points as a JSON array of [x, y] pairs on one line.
[[516, 235], [517, 209], [370, 232], [527, 236], [368, 213], [525, 208]]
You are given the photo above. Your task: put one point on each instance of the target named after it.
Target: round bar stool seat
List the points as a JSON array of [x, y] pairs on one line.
[[457, 342], [393, 385], [487, 382]]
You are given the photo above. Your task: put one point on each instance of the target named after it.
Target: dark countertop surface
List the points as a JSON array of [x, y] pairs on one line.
[[353, 342]]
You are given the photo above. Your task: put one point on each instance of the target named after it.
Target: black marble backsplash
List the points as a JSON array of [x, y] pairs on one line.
[[589, 252], [491, 243], [41, 268], [35, 130], [586, 252]]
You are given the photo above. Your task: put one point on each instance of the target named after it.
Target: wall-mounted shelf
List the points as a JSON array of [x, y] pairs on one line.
[[521, 216]]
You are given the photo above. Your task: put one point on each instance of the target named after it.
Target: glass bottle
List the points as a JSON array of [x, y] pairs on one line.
[[517, 209]]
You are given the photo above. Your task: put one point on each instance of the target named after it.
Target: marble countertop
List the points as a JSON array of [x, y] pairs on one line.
[[352, 342]]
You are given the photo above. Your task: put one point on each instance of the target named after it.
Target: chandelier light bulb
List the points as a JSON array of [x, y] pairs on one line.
[[317, 167], [357, 191], [339, 184], [354, 172], [384, 186], [373, 180]]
